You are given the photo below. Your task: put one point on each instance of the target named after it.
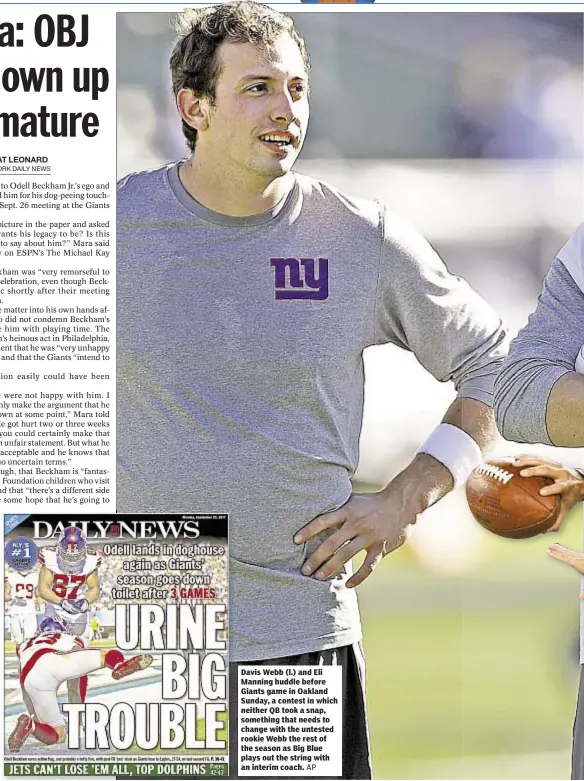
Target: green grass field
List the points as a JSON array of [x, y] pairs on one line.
[[475, 676]]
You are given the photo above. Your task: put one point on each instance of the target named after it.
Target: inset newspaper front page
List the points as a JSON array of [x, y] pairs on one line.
[[117, 659]]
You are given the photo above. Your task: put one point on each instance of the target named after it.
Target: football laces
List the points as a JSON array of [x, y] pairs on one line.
[[490, 470]]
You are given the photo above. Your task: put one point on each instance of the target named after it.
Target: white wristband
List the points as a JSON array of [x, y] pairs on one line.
[[455, 449], [579, 365]]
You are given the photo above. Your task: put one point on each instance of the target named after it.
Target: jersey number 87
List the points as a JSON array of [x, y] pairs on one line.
[[67, 585]]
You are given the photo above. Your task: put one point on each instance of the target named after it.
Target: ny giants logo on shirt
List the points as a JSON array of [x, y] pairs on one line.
[[301, 281]]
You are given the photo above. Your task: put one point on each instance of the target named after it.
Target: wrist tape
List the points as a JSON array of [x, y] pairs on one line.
[[455, 449]]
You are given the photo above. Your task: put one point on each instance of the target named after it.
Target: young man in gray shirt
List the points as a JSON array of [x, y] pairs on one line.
[[539, 397], [247, 294]]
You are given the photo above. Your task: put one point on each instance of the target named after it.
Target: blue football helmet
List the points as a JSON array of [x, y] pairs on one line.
[[71, 550], [52, 624]]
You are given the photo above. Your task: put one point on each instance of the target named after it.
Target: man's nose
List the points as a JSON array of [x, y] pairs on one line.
[[283, 108]]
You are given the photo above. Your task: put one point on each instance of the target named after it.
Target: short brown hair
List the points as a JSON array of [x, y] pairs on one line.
[[194, 63]]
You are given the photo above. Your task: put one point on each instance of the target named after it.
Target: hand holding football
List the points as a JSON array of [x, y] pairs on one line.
[[510, 505]]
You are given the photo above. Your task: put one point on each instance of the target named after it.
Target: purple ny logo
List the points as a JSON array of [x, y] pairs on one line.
[[301, 281]]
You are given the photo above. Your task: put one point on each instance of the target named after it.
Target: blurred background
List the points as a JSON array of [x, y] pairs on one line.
[[469, 125]]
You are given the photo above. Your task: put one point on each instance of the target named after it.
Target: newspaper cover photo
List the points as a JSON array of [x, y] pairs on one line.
[[116, 662]]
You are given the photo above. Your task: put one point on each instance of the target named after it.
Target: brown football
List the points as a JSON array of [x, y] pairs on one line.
[[507, 504]]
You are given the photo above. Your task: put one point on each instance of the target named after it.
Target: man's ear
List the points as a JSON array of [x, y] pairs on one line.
[[194, 110]]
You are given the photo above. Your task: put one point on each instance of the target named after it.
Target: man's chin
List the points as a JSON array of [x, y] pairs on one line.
[[275, 167]]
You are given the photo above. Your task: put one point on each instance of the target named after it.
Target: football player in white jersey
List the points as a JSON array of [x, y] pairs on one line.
[[47, 660], [69, 579], [19, 594]]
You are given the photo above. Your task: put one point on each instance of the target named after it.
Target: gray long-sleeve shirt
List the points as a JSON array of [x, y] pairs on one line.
[[544, 350], [240, 376]]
